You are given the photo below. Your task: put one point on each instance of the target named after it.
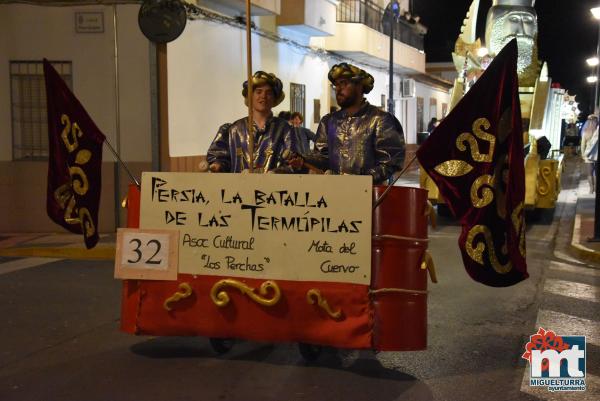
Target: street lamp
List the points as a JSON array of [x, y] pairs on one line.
[[393, 12], [596, 13], [593, 62]]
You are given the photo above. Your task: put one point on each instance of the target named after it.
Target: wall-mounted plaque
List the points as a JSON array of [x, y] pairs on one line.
[[89, 22]]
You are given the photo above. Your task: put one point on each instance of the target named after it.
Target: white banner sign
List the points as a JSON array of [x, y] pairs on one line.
[[288, 227]]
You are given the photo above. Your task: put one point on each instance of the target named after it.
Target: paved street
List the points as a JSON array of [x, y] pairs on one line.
[[60, 339]]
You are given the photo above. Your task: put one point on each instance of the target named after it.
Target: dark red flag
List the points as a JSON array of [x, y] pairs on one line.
[[75, 161], [475, 156]]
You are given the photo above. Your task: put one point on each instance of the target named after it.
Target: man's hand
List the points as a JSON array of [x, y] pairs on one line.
[[215, 168], [295, 161]]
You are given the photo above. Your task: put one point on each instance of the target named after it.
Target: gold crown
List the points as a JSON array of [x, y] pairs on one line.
[[514, 3]]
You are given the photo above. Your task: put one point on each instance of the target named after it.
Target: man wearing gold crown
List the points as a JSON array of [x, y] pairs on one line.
[[229, 151], [508, 19], [360, 138]]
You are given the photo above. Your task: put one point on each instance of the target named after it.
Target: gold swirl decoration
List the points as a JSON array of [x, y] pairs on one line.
[[544, 187], [185, 291], [479, 126], [221, 298], [79, 179], [313, 295], [476, 253], [519, 225], [70, 133], [87, 223], [484, 183], [427, 263], [453, 168], [430, 213]]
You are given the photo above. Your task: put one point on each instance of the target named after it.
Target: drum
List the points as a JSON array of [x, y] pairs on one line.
[[398, 275], [133, 206]]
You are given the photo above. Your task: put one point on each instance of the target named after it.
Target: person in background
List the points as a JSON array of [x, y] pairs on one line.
[[571, 139], [304, 135], [360, 138], [285, 115], [273, 136], [432, 124], [589, 149]]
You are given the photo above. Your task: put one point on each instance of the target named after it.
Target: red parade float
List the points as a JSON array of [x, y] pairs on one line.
[[389, 314]]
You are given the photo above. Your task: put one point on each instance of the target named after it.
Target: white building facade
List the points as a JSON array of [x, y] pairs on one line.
[[160, 106]]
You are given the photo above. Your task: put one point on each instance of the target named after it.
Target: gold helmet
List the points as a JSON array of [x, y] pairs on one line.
[[352, 73], [262, 78]]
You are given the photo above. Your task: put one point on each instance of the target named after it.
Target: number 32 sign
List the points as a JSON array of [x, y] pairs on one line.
[[146, 254]]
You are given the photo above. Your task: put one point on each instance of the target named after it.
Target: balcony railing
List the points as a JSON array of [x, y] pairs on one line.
[[370, 14]]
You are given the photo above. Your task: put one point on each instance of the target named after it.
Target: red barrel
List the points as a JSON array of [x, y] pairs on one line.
[[133, 206], [398, 283]]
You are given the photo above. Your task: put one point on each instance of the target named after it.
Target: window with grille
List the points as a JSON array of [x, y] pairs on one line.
[[28, 106], [297, 100]]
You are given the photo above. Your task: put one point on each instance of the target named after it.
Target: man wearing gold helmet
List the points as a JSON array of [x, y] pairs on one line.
[[360, 138], [273, 136]]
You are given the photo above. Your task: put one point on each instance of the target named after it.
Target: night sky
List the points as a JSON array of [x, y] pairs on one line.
[[567, 35]]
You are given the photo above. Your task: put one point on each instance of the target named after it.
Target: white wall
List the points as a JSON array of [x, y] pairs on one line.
[[206, 69], [427, 92], [34, 32]]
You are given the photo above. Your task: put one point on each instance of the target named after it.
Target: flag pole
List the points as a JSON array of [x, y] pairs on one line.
[[118, 116], [117, 176], [116, 155], [250, 87], [384, 194]]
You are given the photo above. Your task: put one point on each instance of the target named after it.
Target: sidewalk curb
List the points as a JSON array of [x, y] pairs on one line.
[[579, 250]]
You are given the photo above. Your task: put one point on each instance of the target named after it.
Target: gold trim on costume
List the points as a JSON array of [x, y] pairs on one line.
[[185, 290], [313, 295], [222, 298]]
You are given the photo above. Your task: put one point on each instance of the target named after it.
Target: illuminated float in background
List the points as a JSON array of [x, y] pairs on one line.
[[276, 258], [541, 103]]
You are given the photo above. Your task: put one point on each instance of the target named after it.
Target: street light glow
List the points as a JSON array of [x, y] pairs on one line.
[[482, 52], [592, 79], [596, 12], [592, 61]]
